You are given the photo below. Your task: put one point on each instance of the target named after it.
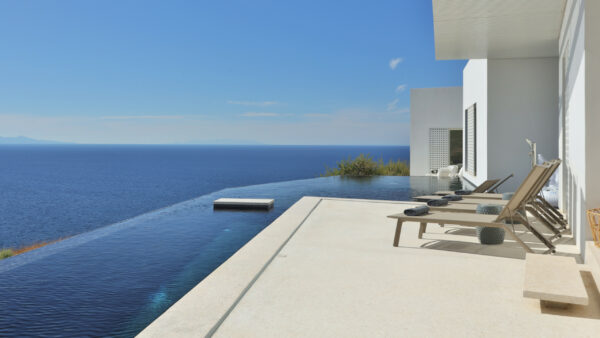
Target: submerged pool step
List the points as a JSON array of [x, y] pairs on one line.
[[244, 203]]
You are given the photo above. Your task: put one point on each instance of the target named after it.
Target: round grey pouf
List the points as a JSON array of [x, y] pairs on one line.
[[490, 235]]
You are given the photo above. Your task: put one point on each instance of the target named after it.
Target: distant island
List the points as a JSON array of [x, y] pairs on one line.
[[26, 140]]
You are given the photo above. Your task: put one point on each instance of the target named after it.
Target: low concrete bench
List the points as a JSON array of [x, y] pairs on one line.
[[554, 280], [244, 203]]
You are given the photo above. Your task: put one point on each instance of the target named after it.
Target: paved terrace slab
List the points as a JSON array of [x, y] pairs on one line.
[[327, 267]]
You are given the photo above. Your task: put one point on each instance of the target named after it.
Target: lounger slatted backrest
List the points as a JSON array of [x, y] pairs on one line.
[[540, 185], [495, 187], [535, 190], [483, 187], [519, 199]]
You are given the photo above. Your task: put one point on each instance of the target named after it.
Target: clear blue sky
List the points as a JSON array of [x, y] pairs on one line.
[[274, 72]]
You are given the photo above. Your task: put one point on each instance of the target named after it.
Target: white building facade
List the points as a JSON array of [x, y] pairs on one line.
[[534, 72], [510, 100], [435, 122]]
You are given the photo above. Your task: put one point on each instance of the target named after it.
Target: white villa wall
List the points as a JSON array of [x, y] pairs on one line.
[[475, 90], [516, 99], [522, 103], [431, 108], [573, 139], [592, 94]]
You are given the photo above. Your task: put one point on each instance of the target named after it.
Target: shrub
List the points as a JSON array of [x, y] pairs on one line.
[[397, 168], [5, 253], [364, 165]]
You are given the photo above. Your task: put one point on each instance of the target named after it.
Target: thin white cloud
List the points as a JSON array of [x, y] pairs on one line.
[[262, 114], [400, 88], [316, 115], [350, 126], [394, 63], [142, 117], [393, 105], [254, 103]]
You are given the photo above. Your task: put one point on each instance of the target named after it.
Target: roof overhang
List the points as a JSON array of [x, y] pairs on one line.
[[482, 29]]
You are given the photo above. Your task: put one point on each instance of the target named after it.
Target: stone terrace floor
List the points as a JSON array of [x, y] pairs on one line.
[[327, 267]]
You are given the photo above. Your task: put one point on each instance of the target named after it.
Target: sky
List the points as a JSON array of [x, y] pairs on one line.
[[231, 72]]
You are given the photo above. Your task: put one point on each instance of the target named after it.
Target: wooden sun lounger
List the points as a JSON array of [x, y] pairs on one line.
[[473, 201], [543, 210], [488, 186], [537, 205], [551, 223], [465, 219], [510, 213], [484, 196]]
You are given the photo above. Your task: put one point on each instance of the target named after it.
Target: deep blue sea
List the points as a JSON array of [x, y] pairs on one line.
[[49, 192], [142, 225]]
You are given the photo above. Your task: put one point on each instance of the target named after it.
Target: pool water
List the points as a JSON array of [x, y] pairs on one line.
[[114, 281]]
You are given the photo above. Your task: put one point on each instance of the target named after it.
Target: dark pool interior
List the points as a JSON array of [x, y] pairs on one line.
[[116, 280]]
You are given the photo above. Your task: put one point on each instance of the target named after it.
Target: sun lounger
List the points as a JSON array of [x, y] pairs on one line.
[[474, 201], [540, 208], [511, 213], [485, 196], [494, 189], [552, 223], [488, 186], [470, 205]]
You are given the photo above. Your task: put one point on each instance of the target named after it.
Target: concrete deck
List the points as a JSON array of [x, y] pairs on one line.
[[327, 267]]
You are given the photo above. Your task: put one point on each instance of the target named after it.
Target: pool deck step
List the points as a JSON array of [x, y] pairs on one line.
[[244, 203], [554, 280]]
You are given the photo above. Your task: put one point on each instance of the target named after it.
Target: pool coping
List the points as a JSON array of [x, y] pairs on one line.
[[204, 308]]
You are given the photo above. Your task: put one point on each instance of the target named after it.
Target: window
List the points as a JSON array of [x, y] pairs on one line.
[[471, 140], [445, 147], [456, 146]]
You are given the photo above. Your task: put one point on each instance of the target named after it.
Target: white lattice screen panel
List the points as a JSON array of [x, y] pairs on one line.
[[439, 148], [471, 139]]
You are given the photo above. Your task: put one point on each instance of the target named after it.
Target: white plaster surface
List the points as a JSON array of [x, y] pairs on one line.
[[522, 103], [475, 91], [431, 108], [479, 29], [579, 115], [516, 99]]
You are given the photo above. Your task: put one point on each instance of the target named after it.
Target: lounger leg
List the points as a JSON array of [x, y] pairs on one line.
[[516, 238], [537, 234], [543, 220], [551, 208], [422, 229], [550, 217], [397, 235]]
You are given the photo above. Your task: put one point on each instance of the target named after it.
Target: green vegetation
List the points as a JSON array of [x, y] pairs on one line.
[[364, 165], [5, 253]]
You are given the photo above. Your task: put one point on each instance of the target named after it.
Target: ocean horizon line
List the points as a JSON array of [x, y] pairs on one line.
[[201, 144]]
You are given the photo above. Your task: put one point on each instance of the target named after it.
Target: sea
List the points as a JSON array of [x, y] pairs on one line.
[[51, 192]]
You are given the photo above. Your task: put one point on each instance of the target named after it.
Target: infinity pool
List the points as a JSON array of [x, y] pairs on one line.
[[116, 280]]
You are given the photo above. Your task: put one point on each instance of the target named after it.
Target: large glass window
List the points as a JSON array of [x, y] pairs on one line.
[[456, 146]]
